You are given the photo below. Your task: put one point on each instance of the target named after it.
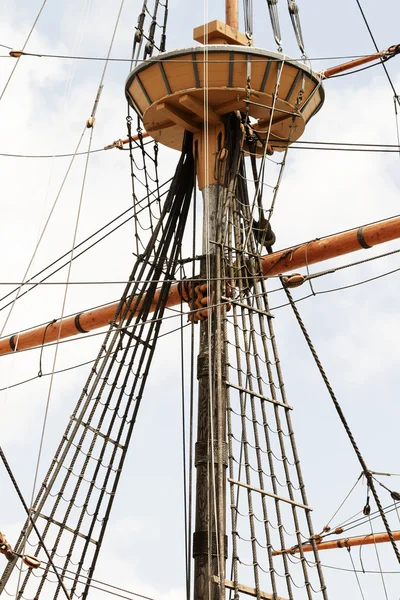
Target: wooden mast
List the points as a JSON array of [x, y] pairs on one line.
[[232, 13], [210, 451]]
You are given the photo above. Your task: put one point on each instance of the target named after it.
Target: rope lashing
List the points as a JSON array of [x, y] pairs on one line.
[[5, 548], [295, 18], [199, 299], [367, 473], [248, 18], [273, 13]]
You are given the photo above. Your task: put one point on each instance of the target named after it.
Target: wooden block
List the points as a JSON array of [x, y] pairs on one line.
[[219, 33], [197, 107], [179, 117]]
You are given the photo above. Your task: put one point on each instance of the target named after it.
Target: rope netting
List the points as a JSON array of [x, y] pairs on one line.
[[72, 507], [267, 498]]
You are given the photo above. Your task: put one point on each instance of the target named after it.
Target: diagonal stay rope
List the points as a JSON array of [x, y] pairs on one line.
[[24, 504], [366, 471]]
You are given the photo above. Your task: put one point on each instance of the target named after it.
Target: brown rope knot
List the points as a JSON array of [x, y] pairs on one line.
[[201, 298]]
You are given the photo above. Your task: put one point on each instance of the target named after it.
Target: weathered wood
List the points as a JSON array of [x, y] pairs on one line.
[[245, 589], [207, 155], [211, 430]]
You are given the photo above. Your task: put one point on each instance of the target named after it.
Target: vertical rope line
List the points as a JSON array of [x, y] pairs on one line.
[[111, 43], [253, 278], [223, 201], [246, 327], [279, 429], [138, 377], [46, 412], [260, 179], [268, 441], [338, 408], [27, 510], [298, 471], [377, 49], [19, 289], [243, 268], [70, 262], [249, 354], [185, 490], [234, 502], [192, 374], [397, 120], [355, 573], [23, 48], [378, 559], [262, 169], [134, 198]]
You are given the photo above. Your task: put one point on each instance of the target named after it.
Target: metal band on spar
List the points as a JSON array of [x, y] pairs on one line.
[[307, 253]]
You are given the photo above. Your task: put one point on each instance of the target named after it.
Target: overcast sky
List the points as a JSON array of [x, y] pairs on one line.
[[356, 331]]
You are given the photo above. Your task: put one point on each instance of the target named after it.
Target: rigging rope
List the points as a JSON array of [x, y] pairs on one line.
[[397, 120], [83, 364], [379, 563], [192, 383], [96, 422], [140, 35], [295, 18], [43, 230], [248, 18], [397, 97], [274, 16], [27, 510], [23, 48], [339, 410], [265, 451], [355, 573], [129, 60], [116, 228]]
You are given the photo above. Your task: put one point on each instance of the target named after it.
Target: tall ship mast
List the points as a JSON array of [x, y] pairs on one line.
[[193, 341]]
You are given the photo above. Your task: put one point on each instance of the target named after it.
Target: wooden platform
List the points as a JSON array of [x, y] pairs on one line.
[[182, 89]]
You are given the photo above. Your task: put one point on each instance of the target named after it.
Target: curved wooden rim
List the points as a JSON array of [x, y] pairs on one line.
[[218, 48]]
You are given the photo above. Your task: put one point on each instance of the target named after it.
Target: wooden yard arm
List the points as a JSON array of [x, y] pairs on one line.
[[272, 264], [363, 540], [384, 55]]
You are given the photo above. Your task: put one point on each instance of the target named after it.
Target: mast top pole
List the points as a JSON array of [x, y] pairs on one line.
[[232, 13]]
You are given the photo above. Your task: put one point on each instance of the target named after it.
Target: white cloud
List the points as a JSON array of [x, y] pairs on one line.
[[321, 193]]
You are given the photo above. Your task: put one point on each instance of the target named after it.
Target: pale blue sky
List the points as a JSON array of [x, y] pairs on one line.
[[356, 331]]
